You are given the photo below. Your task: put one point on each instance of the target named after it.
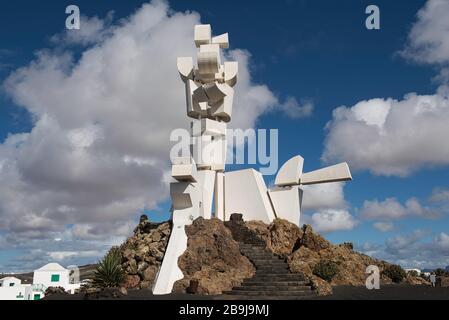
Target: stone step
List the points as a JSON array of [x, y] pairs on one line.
[[256, 252], [269, 262], [299, 293], [251, 282], [261, 257], [273, 288], [277, 277], [272, 268]]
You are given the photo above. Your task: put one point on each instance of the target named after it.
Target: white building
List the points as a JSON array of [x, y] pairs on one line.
[[413, 269], [11, 288], [54, 275]]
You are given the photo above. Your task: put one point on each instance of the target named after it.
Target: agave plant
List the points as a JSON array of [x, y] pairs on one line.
[[109, 272]]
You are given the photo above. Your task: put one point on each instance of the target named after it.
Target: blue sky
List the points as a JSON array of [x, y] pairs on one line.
[[310, 51]]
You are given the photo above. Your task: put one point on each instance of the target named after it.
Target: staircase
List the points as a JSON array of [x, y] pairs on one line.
[[272, 279]]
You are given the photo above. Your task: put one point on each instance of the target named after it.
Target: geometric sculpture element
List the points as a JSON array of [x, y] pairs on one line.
[[286, 197], [246, 193]]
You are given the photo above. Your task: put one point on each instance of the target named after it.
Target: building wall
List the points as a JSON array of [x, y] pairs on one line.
[[19, 292], [45, 278]]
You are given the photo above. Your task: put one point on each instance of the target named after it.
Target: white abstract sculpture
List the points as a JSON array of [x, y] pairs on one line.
[[286, 196], [209, 93], [201, 181]]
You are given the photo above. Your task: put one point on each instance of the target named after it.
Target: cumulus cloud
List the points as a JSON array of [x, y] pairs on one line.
[[295, 110], [324, 196], [398, 137], [417, 249], [330, 220], [428, 41], [98, 152], [390, 137], [441, 242], [326, 209], [392, 209], [384, 226]]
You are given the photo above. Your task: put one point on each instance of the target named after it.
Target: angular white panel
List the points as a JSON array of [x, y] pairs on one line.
[[290, 173], [219, 196], [185, 68], [246, 193], [199, 95], [184, 172], [210, 48], [216, 91], [208, 127], [206, 181], [231, 70], [222, 40], [223, 109], [192, 106], [287, 203], [186, 208], [339, 172], [203, 34]]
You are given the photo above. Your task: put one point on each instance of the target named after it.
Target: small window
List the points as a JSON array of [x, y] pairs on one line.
[[11, 284], [55, 278], [1, 284]]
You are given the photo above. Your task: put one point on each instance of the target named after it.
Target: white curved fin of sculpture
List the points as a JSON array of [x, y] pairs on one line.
[[246, 193], [287, 203], [336, 173], [186, 200], [290, 173], [185, 68], [231, 69]]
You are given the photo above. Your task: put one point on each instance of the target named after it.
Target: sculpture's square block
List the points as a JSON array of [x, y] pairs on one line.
[[203, 34], [208, 127]]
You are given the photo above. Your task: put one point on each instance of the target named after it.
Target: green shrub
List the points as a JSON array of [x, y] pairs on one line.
[[395, 273], [413, 273], [326, 270], [109, 272]]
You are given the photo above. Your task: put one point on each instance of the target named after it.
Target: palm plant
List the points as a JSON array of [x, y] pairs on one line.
[[109, 272]]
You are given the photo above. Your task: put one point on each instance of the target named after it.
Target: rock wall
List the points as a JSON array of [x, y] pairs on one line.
[[142, 254], [304, 249], [212, 261]]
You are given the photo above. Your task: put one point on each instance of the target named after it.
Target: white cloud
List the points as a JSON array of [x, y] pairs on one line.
[[392, 209], [390, 137], [330, 220], [428, 41], [323, 196], [92, 30], [384, 226], [98, 152], [440, 195], [397, 137], [412, 250], [441, 241], [295, 110]]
